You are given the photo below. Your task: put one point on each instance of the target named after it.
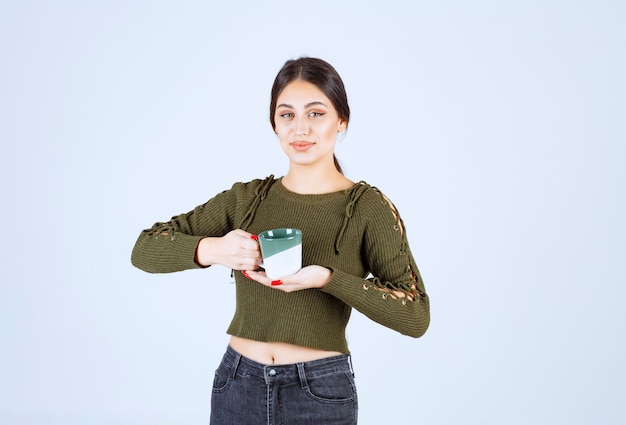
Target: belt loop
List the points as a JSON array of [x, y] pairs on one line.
[[235, 365], [303, 382], [350, 364]]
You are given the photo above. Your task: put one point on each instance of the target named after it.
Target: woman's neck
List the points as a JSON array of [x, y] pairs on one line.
[[314, 180]]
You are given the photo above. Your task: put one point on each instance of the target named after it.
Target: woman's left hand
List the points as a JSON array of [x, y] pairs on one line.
[[308, 277]]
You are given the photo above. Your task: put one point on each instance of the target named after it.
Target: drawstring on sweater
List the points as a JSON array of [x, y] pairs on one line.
[[260, 194], [355, 193]]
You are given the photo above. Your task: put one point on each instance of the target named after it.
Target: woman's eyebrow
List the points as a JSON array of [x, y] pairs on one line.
[[317, 102], [308, 105]]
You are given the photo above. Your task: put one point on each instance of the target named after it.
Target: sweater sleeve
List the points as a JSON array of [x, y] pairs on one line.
[[394, 294], [171, 246]]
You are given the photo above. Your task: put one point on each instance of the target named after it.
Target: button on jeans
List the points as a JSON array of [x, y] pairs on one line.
[[319, 392]]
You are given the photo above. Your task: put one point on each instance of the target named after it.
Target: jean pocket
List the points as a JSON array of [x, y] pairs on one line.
[[333, 388], [222, 378]]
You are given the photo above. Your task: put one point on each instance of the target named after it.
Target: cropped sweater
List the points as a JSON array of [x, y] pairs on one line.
[[357, 233]]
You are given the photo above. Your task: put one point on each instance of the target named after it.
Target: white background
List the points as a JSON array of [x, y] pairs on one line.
[[497, 128]]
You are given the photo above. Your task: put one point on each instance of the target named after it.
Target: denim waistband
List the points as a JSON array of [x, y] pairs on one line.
[[284, 373]]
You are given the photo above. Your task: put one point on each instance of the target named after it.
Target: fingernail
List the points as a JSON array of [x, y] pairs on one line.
[[277, 282], [245, 273], [254, 237]]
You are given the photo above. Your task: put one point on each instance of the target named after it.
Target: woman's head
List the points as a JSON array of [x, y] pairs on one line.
[[318, 73]]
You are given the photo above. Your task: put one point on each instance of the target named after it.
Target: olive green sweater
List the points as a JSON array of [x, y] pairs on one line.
[[356, 233]]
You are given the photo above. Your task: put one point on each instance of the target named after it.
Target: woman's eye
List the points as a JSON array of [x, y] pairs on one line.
[[315, 114], [287, 115]]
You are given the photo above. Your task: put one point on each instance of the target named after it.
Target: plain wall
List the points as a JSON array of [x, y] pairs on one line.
[[497, 129]]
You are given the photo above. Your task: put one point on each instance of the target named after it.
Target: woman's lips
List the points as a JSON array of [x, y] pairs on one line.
[[301, 146]]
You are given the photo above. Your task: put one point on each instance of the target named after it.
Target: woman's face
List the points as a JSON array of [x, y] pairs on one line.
[[306, 123]]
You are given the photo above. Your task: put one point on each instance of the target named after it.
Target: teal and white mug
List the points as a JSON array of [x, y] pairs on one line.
[[282, 251]]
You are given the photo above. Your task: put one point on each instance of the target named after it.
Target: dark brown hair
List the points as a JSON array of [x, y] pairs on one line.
[[319, 73]]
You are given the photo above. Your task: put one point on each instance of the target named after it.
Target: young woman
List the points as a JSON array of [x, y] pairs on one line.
[[288, 359]]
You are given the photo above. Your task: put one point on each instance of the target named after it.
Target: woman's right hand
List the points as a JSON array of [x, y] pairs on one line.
[[237, 250]]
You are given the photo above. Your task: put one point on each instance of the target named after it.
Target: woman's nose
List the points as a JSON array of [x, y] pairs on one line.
[[302, 127]]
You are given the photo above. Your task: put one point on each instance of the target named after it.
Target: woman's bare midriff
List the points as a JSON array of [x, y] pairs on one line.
[[277, 352]]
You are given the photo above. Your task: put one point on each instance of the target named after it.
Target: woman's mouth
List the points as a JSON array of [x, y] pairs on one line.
[[301, 146]]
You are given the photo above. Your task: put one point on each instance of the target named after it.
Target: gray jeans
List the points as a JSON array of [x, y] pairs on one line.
[[317, 392]]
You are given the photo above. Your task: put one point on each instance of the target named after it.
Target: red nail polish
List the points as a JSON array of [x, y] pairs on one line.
[[254, 237], [245, 273], [277, 282]]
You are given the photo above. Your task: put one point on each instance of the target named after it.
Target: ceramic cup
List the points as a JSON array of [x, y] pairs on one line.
[[282, 251]]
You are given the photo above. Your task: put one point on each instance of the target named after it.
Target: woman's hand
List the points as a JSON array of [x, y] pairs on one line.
[[237, 250], [308, 277]]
